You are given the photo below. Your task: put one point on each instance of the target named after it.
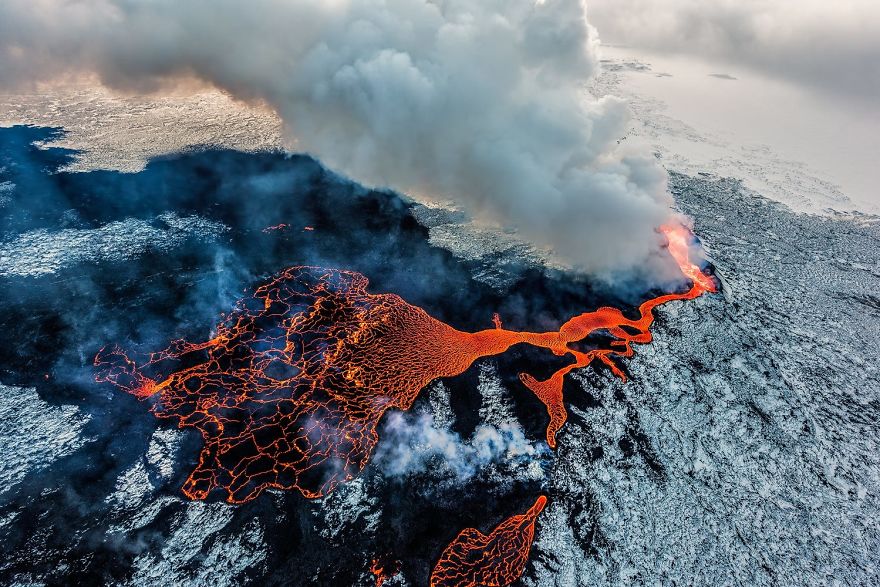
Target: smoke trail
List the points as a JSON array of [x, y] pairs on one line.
[[480, 101]]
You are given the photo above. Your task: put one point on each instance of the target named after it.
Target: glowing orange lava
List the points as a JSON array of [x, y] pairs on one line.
[[383, 570], [475, 559], [281, 226], [289, 392]]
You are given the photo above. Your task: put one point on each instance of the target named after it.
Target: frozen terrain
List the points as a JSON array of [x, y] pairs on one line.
[[809, 150], [123, 132], [745, 449]]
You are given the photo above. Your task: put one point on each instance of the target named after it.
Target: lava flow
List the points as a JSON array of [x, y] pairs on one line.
[[274, 227], [498, 559], [289, 392], [383, 570]]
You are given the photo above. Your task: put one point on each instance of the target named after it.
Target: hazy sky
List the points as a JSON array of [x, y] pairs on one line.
[[832, 45]]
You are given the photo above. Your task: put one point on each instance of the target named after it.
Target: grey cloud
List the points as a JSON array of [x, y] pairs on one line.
[[483, 102]]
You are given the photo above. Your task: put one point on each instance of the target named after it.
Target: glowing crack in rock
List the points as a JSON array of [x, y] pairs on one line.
[[492, 560], [290, 391], [383, 569]]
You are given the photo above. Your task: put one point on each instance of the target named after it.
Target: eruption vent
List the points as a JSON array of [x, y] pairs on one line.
[[290, 391], [475, 559]]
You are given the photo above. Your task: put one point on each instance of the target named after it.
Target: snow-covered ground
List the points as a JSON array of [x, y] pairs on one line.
[[805, 149], [759, 463], [124, 132], [43, 252], [34, 433]]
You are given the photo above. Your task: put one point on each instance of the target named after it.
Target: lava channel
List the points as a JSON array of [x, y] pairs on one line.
[[498, 559], [290, 391]]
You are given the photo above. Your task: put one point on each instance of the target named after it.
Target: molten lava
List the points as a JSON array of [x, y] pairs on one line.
[[274, 227], [498, 559], [383, 570], [289, 392]]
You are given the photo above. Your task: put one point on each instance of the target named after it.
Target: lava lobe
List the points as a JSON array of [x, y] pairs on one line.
[[496, 559]]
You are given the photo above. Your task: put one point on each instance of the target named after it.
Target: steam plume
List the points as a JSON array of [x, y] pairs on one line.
[[410, 443], [480, 101]]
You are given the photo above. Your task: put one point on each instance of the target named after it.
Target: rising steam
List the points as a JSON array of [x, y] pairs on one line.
[[480, 101]]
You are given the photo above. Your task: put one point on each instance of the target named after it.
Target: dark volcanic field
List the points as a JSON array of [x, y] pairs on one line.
[[744, 450], [54, 324]]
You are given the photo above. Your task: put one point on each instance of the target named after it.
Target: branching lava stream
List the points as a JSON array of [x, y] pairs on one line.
[[290, 390]]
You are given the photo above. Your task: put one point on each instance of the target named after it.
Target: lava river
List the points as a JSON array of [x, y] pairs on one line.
[[290, 391]]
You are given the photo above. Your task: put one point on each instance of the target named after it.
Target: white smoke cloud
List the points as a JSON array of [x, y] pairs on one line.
[[414, 444], [480, 101], [831, 45]]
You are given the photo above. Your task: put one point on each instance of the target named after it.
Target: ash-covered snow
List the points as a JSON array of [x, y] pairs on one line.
[[34, 433], [236, 554], [496, 408], [41, 252], [195, 552], [441, 410], [197, 545], [135, 501], [496, 254], [744, 451], [122, 133], [349, 509]]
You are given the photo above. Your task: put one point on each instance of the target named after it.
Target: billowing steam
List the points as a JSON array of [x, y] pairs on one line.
[[479, 101], [415, 444]]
